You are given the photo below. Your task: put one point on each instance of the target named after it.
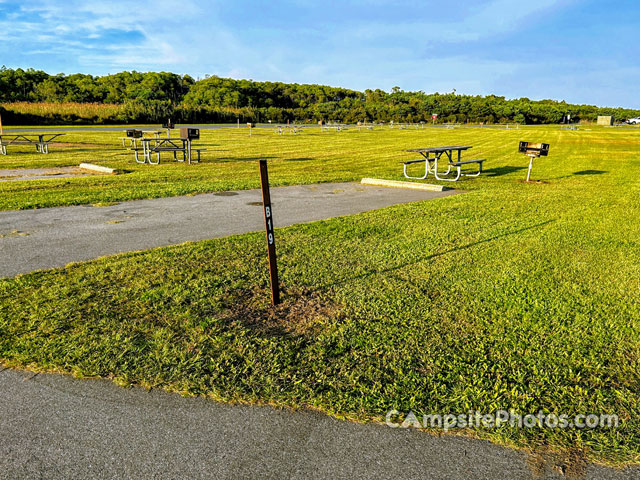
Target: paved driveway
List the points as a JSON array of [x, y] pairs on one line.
[[52, 237], [58, 427]]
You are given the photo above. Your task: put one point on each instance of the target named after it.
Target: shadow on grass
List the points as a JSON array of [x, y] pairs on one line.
[[301, 159], [432, 256], [583, 172], [499, 171], [243, 159], [590, 172]]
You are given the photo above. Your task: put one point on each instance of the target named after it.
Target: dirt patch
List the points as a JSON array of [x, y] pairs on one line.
[[536, 182], [302, 313], [14, 174], [571, 464]]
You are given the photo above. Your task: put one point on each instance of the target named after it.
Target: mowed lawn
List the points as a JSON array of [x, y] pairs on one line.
[[230, 161], [512, 296]]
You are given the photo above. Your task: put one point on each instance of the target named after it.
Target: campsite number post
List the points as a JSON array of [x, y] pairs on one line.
[[271, 241]]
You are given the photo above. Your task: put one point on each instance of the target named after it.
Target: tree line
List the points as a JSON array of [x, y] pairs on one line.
[[155, 96]]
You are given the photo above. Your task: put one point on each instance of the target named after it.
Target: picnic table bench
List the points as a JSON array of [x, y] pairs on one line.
[[40, 140], [431, 156], [156, 146]]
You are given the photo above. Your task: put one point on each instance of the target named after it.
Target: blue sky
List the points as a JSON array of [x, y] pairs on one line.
[[582, 51]]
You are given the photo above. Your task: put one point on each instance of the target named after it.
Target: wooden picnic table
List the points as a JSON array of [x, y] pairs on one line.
[[431, 156], [40, 140], [158, 145]]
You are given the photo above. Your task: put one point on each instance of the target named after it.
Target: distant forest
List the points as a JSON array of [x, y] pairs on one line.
[[35, 97]]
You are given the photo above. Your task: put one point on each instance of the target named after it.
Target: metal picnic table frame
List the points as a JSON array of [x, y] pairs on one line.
[[42, 142], [282, 129], [158, 145], [431, 157]]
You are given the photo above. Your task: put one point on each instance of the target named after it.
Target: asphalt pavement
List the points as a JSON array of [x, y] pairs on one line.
[[53, 237], [58, 427]]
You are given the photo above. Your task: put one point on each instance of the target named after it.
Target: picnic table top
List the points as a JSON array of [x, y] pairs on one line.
[[165, 144], [163, 139], [26, 135], [438, 149]]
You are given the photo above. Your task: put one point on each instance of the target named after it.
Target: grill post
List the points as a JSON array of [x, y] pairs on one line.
[[530, 165]]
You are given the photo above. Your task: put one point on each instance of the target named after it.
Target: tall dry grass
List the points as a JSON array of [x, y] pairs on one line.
[[52, 109]]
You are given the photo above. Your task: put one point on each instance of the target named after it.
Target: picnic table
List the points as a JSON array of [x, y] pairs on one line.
[[282, 129], [453, 156], [333, 126], [40, 140], [157, 145]]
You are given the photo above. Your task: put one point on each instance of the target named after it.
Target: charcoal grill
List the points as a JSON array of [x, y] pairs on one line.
[[133, 133], [533, 150], [190, 133]]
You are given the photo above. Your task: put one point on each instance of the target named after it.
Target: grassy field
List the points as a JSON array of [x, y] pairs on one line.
[[231, 161], [511, 296]]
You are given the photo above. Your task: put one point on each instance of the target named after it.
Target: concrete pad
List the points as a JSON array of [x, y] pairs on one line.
[[53, 237], [381, 182], [99, 168]]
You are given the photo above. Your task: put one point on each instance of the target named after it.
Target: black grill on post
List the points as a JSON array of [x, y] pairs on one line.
[[190, 133], [133, 133], [533, 150]]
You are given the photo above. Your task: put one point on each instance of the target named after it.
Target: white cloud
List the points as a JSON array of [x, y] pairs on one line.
[[432, 46]]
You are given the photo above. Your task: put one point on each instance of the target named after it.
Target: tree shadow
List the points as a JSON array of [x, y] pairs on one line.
[[431, 256], [583, 172], [300, 159], [243, 159], [499, 171]]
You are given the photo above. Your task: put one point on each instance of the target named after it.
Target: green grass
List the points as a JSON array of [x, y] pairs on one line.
[[511, 296], [231, 161]]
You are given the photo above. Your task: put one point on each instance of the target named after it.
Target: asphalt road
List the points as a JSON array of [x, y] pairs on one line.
[[58, 427], [52, 237]]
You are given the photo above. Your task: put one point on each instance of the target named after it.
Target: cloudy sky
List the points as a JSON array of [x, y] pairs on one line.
[[582, 51]]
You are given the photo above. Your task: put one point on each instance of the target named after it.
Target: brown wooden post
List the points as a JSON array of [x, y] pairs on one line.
[[271, 241]]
